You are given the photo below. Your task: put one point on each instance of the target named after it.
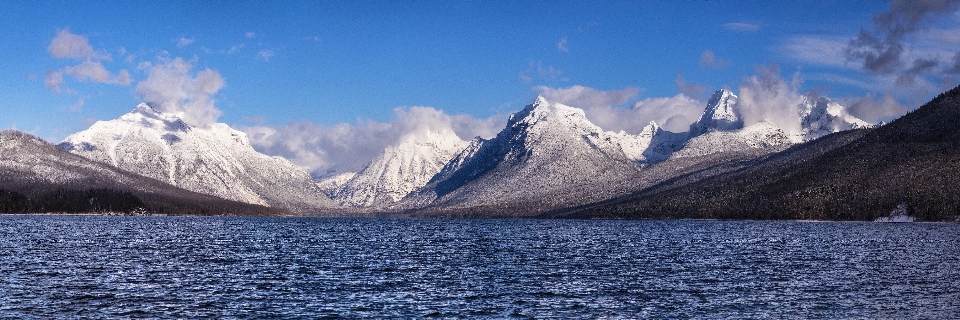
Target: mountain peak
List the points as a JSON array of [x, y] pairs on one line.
[[718, 115], [651, 128], [541, 111], [215, 160], [400, 169]]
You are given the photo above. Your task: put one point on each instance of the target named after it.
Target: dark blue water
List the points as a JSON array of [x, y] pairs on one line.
[[194, 267]]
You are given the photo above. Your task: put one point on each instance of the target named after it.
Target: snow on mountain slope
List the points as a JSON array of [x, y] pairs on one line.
[[331, 184], [820, 116], [400, 169], [720, 114], [546, 146], [757, 136], [720, 129], [651, 146], [217, 160], [34, 167]]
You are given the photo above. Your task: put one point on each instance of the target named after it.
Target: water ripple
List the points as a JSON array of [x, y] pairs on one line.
[[198, 267]]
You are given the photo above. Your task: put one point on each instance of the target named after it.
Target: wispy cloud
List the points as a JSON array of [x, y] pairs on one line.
[[235, 48], [95, 72], [562, 45], [266, 55], [586, 97], [250, 34], [741, 26], [183, 42], [536, 71], [819, 50], [690, 89], [53, 80], [710, 60], [77, 106]]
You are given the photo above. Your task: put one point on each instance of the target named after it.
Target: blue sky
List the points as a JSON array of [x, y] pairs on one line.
[[287, 66]]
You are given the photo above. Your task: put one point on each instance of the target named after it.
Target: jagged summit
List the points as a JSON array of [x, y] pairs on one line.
[[215, 160], [718, 115], [400, 169]]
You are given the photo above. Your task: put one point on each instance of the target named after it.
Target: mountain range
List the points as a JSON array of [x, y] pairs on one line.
[[912, 162], [551, 161]]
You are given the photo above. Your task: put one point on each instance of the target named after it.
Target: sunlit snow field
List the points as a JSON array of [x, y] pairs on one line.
[[190, 267]]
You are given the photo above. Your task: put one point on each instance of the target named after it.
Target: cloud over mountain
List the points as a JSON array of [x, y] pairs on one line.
[[606, 110], [347, 147], [173, 87]]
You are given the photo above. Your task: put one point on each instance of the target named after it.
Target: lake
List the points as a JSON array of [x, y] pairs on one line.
[[238, 267]]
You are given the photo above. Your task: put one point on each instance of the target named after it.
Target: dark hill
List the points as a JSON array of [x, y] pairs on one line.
[[851, 175]]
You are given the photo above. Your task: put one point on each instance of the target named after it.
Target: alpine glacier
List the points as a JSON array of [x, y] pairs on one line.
[[215, 160]]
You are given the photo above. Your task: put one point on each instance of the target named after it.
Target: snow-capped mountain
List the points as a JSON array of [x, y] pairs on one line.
[[760, 135], [651, 146], [545, 147], [38, 169], [721, 129], [399, 169], [820, 116], [215, 160], [718, 115]]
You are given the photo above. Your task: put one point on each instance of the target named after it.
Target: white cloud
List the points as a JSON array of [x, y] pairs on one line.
[[183, 42], [601, 107], [53, 80], [235, 48], [172, 86], [873, 110], [250, 34], [586, 97], [348, 147], [741, 26], [766, 96], [266, 55], [77, 106], [68, 45], [562, 45], [95, 72], [710, 60]]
